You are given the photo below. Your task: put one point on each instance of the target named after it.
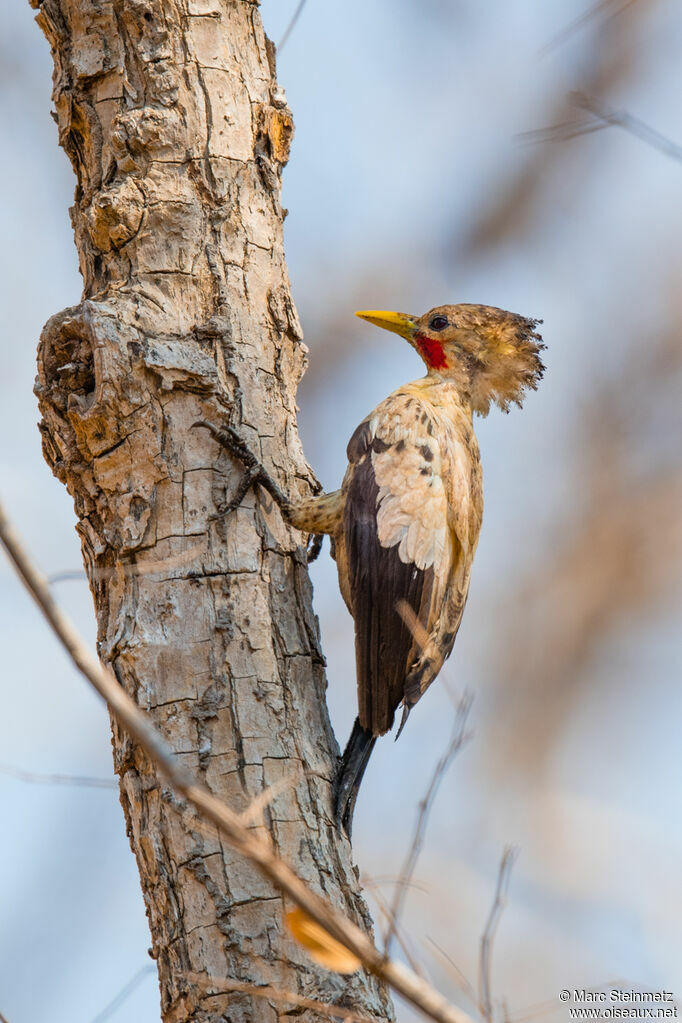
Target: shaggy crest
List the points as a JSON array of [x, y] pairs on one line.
[[494, 355]]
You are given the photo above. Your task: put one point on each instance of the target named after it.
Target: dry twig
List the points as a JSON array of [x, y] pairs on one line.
[[574, 26], [134, 569], [457, 739], [385, 911], [621, 119], [485, 998], [276, 995], [462, 981], [292, 24], [254, 812], [602, 116], [524, 198], [257, 849], [70, 575], [36, 778], [122, 996], [379, 879]]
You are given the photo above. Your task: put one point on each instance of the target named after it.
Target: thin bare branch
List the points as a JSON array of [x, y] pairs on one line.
[[602, 7], [123, 995], [254, 811], [457, 739], [67, 576], [35, 778], [385, 911], [277, 995], [460, 978], [155, 567], [602, 116], [292, 24], [562, 132], [392, 879], [521, 200], [254, 847], [485, 998], [3, 1019], [622, 119]]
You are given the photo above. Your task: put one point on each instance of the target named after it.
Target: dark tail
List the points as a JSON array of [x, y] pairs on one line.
[[351, 769]]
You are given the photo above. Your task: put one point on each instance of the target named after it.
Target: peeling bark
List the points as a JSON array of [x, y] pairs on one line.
[[171, 115]]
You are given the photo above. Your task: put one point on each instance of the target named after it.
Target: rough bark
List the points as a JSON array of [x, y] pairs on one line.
[[171, 115]]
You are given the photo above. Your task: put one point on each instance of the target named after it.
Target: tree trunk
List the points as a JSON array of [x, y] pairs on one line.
[[171, 115]]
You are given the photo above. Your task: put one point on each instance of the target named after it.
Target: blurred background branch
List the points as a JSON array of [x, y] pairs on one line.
[[488, 938], [124, 994], [603, 116], [34, 778], [457, 739]]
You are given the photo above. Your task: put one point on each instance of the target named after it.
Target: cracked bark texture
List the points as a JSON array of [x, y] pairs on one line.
[[177, 131]]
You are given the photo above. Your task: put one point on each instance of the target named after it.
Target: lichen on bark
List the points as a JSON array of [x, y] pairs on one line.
[[177, 131]]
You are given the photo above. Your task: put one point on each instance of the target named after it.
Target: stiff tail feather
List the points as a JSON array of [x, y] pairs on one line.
[[353, 763]]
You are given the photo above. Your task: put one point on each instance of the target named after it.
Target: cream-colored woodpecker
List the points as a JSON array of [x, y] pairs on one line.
[[406, 520]]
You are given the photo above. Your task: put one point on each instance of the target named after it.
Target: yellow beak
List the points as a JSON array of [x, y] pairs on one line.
[[399, 323]]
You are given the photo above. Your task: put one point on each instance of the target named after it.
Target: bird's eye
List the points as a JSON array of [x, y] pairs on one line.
[[438, 322]]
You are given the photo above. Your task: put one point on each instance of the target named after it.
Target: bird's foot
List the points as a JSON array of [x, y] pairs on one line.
[[254, 472], [314, 547]]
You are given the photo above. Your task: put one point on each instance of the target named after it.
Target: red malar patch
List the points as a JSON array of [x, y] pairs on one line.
[[431, 351]]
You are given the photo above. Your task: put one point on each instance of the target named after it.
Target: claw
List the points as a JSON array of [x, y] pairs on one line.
[[228, 438]]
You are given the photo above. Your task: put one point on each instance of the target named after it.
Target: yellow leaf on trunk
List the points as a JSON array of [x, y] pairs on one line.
[[319, 944]]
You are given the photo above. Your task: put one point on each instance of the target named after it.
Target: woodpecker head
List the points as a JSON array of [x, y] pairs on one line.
[[492, 355]]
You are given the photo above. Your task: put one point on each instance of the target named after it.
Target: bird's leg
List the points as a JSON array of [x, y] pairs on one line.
[[320, 515]]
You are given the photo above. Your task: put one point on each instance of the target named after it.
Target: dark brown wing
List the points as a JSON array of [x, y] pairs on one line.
[[378, 580]]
